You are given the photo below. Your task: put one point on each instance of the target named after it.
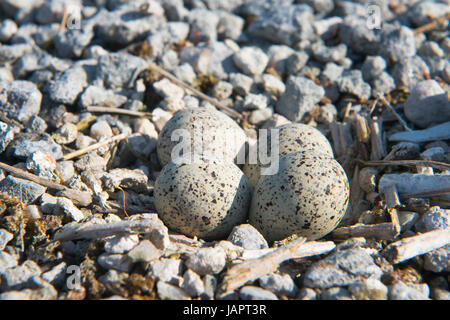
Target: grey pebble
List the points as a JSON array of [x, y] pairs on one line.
[[121, 243], [427, 104], [7, 261], [370, 289], [6, 135], [335, 293], [168, 291], [438, 260], [401, 291], [256, 293], [25, 190], [169, 270], [20, 100], [5, 237], [248, 237], [25, 144], [280, 284], [207, 261], [342, 268], [299, 98], [352, 82], [16, 278], [193, 284], [114, 261], [251, 60]]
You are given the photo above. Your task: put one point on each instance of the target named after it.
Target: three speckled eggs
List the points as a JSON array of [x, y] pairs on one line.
[[206, 195]]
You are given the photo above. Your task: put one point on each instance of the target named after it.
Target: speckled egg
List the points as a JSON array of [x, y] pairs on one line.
[[308, 196], [293, 137], [209, 132], [205, 198]]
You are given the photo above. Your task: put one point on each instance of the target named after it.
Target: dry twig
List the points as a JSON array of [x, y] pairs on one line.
[[81, 198], [95, 146], [119, 111], [408, 248], [196, 92], [253, 269], [436, 23]]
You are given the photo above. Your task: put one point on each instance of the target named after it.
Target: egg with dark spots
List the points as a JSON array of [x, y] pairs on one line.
[[203, 131], [202, 196], [308, 196], [292, 137]]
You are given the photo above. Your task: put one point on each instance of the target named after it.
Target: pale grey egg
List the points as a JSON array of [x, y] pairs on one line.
[[203, 131], [292, 137], [308, 196], [205, 197]]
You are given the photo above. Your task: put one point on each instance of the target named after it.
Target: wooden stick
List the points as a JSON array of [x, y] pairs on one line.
[[408, 248], [82, 198], [436, 23], [391, 108], [430, 193], [253, 269], [124, 112], [392, 202], [95, 146], [196, 92], [152, 226], [376, 139], [380, 231], [410, 163]]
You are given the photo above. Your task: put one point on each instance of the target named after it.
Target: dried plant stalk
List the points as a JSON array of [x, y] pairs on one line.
[[95, 146], [408, 248], [380, 231], [253, 269], [376, 139]]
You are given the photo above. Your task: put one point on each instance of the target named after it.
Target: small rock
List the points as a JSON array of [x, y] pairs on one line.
[[370, 289], [255, 101], [286, 24], [66, 134], [167, 291], [372, 67], [280, 284], [166, 89], [409, 71], [436, 218], [256, 293], [276, 121], [241, 83], [207, 261], [42, 165], [7, 29], [119, 70], [20, 100], [72, 42], [438, 260], [91, 161], [398, 44], [57, 275], [401, 291], [382, 84], [335, 293], [299, 98], [257, 117], [15, 295], [273, 85], [246, 236], [36, 124], [22, 189], [210, 285], [98, 96], [203, 25], [68, 86], [121, 243], [25, 144], [193, 284], [16, 278], [145, 251], [6, 261], [342, 268], [222, 90], [135, 180], [114, 261], [251, 60], [66, 206], [66, 170], [307, 294], [168, 270], [5, 237], [185, 73], [352, 82], [427, 104], [6, 135], [101, 129]]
